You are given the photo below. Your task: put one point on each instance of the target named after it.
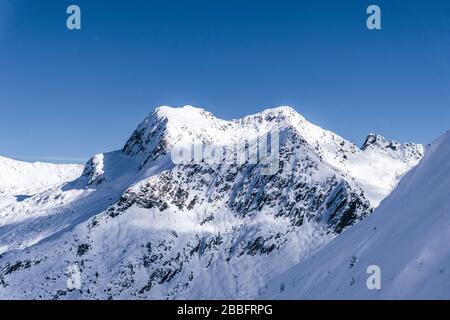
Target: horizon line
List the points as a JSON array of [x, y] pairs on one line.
[[49, 159]]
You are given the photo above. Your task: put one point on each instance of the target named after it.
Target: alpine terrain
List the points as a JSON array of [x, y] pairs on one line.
[[136, 224], [406, 238]]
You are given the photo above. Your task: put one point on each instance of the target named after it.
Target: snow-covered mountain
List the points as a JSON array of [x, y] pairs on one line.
[[407, 237], [17, 176], [138, 225]]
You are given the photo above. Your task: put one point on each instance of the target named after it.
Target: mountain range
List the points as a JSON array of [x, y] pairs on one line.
[[134, 224]]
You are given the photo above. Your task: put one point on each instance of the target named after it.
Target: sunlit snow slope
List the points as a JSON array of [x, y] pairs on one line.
[[408, 237], [17, 176]]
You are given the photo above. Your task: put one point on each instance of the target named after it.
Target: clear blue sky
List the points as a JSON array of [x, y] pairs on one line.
[[67, 95]]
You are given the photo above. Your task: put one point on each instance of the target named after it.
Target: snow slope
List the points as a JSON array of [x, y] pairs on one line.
[[137, 225], [17, 176], [407, 236], [20, 181]]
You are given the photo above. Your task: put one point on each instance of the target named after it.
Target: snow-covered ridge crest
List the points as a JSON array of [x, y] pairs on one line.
[[197, 123], [167, 127]]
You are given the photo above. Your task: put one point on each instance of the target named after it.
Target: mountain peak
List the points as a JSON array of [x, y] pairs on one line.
[[167, 126], [186, 111], [286, 110], [374, 139], [402, 151], [276, 113]]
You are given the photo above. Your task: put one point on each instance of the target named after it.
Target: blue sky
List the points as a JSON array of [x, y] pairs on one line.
[[66, 95]]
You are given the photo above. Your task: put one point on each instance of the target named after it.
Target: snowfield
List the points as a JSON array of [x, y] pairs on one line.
[[135, 225], [407, 236], [23, 177]]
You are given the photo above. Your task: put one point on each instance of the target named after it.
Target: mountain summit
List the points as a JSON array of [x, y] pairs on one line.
[[138, 225]]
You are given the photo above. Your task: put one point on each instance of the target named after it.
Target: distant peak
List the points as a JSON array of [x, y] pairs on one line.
[[374, 139], [378, 142]]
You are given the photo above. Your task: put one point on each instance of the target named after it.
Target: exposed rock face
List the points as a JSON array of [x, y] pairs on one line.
[[138, 225]]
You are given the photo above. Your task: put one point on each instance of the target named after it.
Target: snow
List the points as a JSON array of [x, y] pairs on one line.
[[43, 214], [17, 176], [407, 237], [215, 231], [376, 167], [19, 180]]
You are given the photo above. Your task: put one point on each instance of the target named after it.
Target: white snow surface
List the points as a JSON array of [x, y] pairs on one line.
[[407, 236], [139, 226], [18, 176]]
